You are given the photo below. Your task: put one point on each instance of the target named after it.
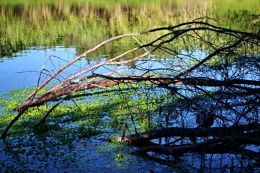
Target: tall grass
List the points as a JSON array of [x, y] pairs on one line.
[[84, 23]]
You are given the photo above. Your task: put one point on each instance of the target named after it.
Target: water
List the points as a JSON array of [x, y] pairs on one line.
[[46, 153], [57, 151], [40, 35], [24, 68]]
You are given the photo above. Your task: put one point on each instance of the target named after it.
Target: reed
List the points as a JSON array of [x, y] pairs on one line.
[[28, 23]]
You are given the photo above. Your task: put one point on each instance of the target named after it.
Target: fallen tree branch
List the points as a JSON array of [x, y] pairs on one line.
[[182, 76], [227, 144], [183, 81], [190, 132]]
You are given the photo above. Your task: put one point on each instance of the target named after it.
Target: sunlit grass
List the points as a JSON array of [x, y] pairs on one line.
[[83, 24]]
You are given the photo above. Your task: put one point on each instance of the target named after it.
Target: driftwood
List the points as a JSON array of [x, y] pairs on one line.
[[231, 91]]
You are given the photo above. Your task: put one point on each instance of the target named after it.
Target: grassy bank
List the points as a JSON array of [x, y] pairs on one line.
[[27, 23]]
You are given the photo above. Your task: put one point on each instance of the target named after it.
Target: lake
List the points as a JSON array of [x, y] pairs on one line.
[[47, 34]]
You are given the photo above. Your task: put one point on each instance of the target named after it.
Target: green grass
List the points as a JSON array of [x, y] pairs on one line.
[[83, 24]]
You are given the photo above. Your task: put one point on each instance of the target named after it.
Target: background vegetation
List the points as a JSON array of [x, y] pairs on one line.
[[28, 23]]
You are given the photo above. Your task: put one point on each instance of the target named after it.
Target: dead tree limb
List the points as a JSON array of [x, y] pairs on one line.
[[227, 144], [191, 132]]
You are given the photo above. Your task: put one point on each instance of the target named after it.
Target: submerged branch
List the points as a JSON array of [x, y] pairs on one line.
[[191, 132]]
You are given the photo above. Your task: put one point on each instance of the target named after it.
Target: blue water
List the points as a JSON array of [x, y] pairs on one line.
[[47, 154], [31, 152], [22, 70]]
